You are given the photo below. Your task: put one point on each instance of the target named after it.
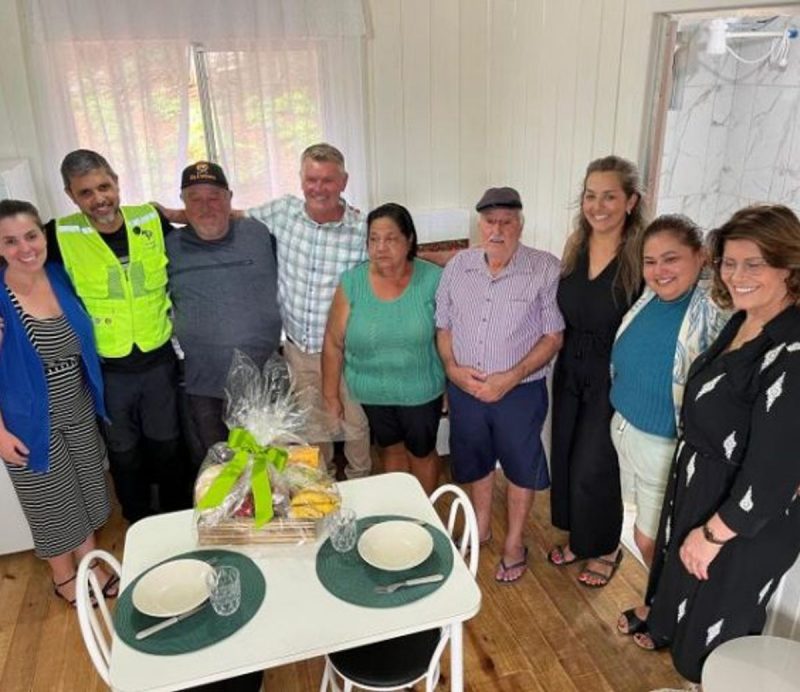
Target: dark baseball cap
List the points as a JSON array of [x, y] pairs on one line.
[[203, 173], [504, 197]]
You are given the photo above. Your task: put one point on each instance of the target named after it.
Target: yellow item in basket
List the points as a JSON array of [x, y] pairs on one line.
[[305, 455], [313, 504], [311, 511], [312, 497]]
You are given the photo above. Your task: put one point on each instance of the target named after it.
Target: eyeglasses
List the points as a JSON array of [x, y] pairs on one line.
[[749, 267]]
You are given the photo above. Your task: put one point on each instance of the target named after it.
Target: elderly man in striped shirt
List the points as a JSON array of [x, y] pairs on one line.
[[498, 328]]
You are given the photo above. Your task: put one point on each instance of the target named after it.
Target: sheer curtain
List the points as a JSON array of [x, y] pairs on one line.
[[120, 78]]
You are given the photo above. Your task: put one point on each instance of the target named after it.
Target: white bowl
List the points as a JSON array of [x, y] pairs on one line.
[[395, 545], [172, 588]]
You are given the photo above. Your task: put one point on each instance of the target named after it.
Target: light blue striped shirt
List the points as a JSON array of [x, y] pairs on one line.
[[311, 258], [495, 321]]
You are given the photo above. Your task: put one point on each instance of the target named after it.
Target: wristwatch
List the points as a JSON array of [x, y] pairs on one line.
[[708, 534]]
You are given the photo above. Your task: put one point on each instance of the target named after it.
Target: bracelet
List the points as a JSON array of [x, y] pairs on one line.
[[708, 534]]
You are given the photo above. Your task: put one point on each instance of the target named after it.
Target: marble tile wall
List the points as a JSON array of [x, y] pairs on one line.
[[733, 137]]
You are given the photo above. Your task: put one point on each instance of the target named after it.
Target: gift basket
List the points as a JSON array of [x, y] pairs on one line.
[[265, 484]]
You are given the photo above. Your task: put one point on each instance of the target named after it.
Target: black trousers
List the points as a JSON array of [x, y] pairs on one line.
[[205, 423], [144, 441]]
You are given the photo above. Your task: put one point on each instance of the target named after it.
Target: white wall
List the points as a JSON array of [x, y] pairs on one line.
[[472, 93], [464, 94]]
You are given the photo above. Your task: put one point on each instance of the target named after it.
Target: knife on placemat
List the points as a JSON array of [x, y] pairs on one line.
[[169, 622]]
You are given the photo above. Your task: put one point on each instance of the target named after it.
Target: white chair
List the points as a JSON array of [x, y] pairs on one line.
[[96, 634], [395, 664], [757, 662]]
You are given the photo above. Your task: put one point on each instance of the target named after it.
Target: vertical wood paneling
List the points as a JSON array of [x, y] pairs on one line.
[[587, 86], [504, 89], [416, 32], [638, 37], [445, 100], [543, 110], [385, 50], [608, 68], [566, 68], [473, 100]]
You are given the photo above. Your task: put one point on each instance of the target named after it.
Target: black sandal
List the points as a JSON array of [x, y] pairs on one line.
[[556, 556], [110, 588], [633, 623], [657, 642], [56, 587], [604, 578]]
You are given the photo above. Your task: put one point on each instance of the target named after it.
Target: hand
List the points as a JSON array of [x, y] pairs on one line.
[[466, 378], [496, 386], [333, 405], [12, 449], [697, 553]]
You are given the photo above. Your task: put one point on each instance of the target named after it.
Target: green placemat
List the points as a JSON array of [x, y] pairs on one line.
[[348, 577], [200, 630]]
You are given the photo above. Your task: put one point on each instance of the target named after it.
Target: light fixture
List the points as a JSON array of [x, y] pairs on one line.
[[778, 53]]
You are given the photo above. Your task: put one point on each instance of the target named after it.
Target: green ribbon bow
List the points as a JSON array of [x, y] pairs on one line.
[[245, 447]]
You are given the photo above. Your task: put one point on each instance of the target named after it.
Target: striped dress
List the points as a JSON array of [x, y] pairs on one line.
[[67, 503]]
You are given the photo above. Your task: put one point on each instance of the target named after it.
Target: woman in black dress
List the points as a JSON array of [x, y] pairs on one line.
[[730, 526], [601, 279]]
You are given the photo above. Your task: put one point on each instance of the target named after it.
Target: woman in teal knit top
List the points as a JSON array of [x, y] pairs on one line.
[[381, 335], [672, 323]]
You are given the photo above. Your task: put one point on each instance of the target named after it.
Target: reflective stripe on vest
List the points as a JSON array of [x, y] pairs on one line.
[[127, 307]]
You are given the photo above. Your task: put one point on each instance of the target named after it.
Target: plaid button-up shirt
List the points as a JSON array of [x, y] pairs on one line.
[[311, 258], [495, 321]]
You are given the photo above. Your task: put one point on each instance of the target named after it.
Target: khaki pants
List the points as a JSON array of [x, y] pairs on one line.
[[307, 369]]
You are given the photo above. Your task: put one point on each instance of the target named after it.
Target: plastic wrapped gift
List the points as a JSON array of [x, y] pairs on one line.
[[265, 484]]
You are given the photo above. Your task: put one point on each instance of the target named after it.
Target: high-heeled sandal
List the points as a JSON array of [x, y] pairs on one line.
[[109, 589], [57, 592]]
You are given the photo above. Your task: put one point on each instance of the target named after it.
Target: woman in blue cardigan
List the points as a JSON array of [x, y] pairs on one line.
[[50, 394]]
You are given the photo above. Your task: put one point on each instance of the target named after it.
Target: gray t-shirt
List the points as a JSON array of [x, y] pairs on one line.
[[225, 297]]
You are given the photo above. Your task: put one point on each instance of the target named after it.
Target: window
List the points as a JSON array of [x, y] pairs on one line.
[[157, 84]]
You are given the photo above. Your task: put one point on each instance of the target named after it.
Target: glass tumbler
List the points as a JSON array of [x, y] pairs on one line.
[[225, 590], [342, 528]]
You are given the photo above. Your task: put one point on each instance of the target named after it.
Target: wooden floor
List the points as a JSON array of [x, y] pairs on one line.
[[545, 633]]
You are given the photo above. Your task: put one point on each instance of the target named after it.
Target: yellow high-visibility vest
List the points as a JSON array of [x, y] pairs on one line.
[[127, 306]]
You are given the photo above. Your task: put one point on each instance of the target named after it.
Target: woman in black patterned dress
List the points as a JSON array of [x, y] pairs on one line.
[[50, 393], [730, 526]]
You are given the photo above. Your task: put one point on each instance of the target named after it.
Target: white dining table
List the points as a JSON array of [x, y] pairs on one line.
[[298, 619]]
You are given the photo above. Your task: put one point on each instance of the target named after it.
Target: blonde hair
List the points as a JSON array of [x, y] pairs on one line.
[[629, 269], [323, 152]]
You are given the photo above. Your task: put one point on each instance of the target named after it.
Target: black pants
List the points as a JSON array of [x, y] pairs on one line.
[[206, 425], [144, 442]]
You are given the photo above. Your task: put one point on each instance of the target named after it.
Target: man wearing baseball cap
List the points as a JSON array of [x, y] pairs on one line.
[[224, 288], [498, 328]]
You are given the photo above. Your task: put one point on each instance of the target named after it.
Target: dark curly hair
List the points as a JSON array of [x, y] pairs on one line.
[[775, 229]]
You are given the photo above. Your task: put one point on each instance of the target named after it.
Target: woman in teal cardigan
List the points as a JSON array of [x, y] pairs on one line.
[[381, 336], [673, 322], [50, 394]]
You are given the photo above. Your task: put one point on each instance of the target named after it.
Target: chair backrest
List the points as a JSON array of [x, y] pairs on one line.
[[468, 542], [97, 631]]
